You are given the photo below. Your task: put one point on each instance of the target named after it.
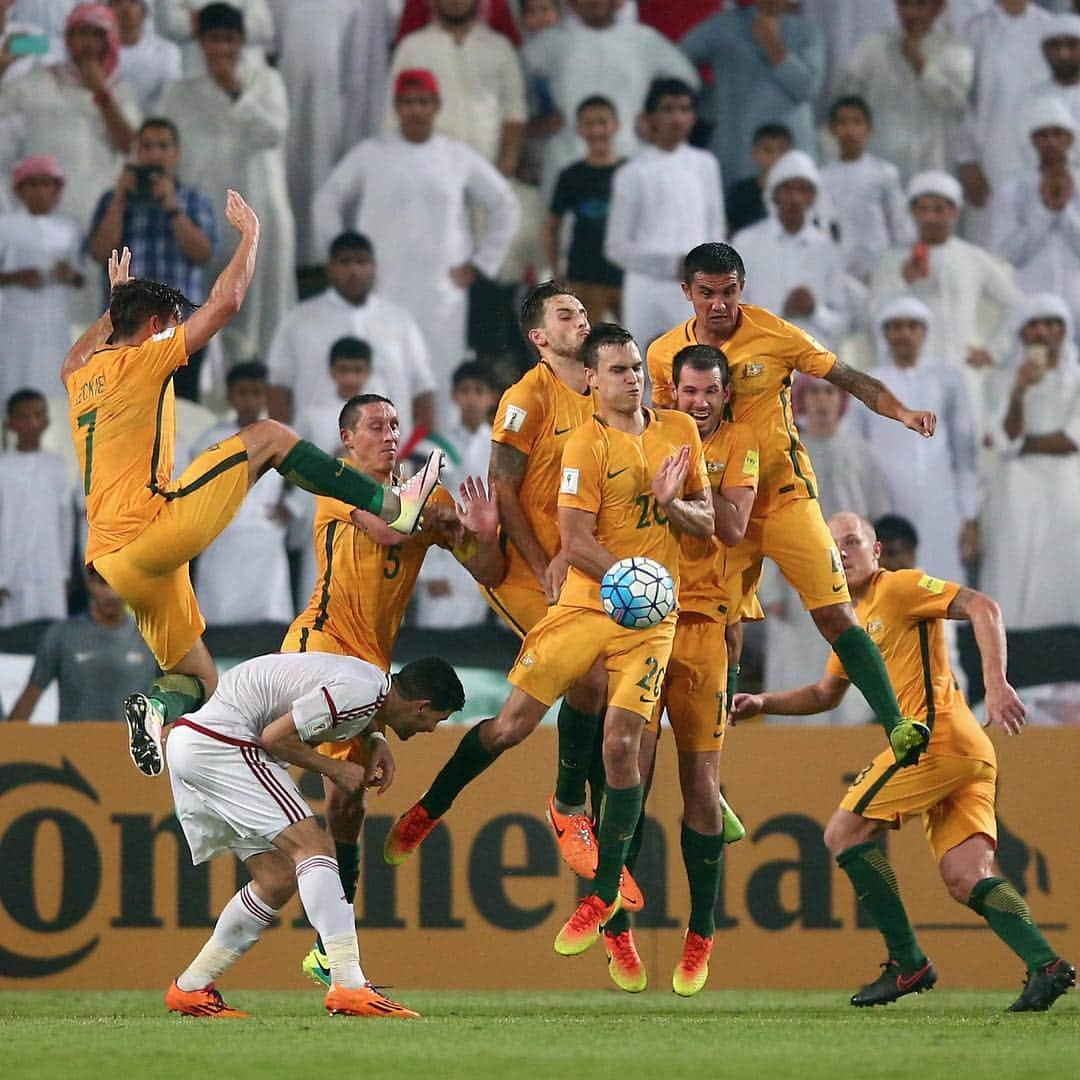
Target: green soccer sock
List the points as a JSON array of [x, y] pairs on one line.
[[467, 762], [703, 857], [177, 695], [306, 466], [621, 920], [732, 683], [875, 885], [577, 739], [348, 862], [618, 820], [1008, 916], [865, 668], [597, 775]]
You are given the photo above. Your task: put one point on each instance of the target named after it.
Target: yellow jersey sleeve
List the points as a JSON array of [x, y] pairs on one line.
[[834, 667], [583, 470], [659, 359], [808, 355], [160, 355], [520, 418], [916, 596], [743, 464]]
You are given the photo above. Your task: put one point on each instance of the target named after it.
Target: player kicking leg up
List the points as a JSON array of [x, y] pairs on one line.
[[144, 529], [232, 791]]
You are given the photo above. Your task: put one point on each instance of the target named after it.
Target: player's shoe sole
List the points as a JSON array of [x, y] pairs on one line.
[[581, 930], [1043, 987], [407, 834], [625, 966], [365, 1001], [144, 734], [415, 494], [204, 1004], [692, 971], [892, 984], [734, 829], [317, 968]]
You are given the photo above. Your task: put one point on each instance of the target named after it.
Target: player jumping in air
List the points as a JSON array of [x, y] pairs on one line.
[[952, 788], [228, 765], [144, 527], [764, 353]]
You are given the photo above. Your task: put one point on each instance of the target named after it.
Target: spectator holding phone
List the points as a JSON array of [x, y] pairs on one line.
[[170, 228], [21, 43]]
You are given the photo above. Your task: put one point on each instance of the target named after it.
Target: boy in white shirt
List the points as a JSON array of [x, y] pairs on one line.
[[350, 368]]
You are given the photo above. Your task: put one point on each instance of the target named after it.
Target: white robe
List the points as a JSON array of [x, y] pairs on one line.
[[35, 324], [663, 203], [37, 530], [240, 144], [1032, 516], [149, 65], [299, 356], [413, 201], [243, 576], [175, 22], [934, 482]]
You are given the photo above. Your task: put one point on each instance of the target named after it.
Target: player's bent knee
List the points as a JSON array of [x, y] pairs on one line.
[[304, 840], [842, 832], [833, 619], [267, 441], [344, 815]]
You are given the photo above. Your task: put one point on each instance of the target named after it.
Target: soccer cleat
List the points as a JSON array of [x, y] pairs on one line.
[[203, 1003], [1044, 986], [316, 966], [414, 494], [892, 984], [624, 965], [734, 829], [144, 721], [908, 740], [692, 970], [630, 894], [581, 930], [408, 833], [364, 1001]]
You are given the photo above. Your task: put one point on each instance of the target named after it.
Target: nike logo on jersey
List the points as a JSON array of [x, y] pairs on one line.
[[837, 588], [618, 472], [561, 430]]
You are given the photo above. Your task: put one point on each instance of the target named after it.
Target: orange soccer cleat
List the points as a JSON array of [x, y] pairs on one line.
[[625, 965], [692, 970], [581, 930], [364, 1001], [408, 833], [203, 1003]]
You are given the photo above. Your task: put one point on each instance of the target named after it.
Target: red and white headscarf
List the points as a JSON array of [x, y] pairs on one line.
[[102, 17]]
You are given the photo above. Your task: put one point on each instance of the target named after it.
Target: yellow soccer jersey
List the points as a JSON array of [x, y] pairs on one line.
[[610, 473], [731, 460], [123, 423], [536, 416], [902, 611], [764, 353], [362, 588]]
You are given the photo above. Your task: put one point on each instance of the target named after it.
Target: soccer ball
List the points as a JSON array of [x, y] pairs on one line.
[[637, 592]]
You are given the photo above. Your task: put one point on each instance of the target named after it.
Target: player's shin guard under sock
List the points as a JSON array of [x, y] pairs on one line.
[[597, 777], [874, 882], [621, 920], [618, 820], [865, 668], [238, 928], [577, 741], [348, 860], [177, 695], [332, 916], [703, 857], [306, 466], [468, 761], [1008, 916]]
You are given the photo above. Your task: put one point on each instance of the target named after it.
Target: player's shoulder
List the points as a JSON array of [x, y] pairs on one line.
[[328, 509], [593, 432], [760, 321], [903, 587], [671, 341]]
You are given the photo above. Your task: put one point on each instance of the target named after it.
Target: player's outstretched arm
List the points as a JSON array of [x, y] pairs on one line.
[[281, 739], [876, 396], [731, 514], [99, 332], [805, 701], [506, 474], [232, 284], [480, 551], [1003, 706]]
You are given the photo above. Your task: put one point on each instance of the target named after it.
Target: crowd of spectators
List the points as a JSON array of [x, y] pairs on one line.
[[898, 175]]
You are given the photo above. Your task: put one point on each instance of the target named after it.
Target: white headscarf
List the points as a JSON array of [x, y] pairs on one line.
[[1063, 25], [1049, 111], [900, 307], [1045, 305], [798, 165], [936, 182]]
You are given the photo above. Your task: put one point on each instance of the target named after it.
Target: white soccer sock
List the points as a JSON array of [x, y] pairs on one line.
[[238, 928], [332, 916]]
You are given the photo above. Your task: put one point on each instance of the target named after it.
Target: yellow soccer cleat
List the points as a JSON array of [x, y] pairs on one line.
[[734, 829], [624, 964], [206, 1003], [692, 970], [581, 930], [365, 1001], [408, 833], [316, 966]]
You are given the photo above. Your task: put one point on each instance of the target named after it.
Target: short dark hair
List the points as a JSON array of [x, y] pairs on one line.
[[350, 348], [700, 358], [472, 370], [21, 396], [351, 409], [248, 371], [596, 101], [772, 130], [160, 122], [600, 336], [350, 241], [135, 301], [666, 87], [713, 258], [220, 17], [894, 527], [431, 679], [531, 314], [850, 101]]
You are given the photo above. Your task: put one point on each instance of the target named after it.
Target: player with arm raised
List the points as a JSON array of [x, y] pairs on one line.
[[765, 353], [632, 481], [366, 576], [144, 527], [952, 788], [228, 765]]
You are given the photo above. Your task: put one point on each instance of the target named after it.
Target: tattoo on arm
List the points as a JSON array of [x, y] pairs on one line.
[[857, 383], [959, 609], [507, 466]]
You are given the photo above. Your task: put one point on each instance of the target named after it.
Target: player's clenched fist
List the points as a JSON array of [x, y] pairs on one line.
[[238, 214], [744, 706]]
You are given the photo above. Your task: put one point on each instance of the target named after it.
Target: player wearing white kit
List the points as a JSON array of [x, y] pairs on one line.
[[233, 792]]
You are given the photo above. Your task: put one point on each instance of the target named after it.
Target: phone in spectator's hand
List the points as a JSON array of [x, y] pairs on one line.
[[145, 175], [29, 44]]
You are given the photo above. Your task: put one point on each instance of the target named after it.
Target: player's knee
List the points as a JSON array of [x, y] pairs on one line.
[[833, 620], [344, 815], [267, 441], [620, 749], [839, 836], [589, 693], [960, 880]]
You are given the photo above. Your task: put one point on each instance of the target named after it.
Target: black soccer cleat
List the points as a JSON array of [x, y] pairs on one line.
[[1044, 986], [892, 984], [144, 723]]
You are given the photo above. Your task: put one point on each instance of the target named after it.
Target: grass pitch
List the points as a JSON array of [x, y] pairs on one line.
[[951, 1033]]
